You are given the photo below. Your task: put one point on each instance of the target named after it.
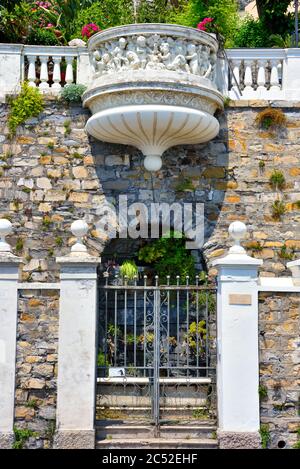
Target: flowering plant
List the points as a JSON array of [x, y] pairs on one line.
[[205, 24], [45, 5], [89, 29]]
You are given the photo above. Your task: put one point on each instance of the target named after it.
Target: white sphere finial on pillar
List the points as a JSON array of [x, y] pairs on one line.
[[237, 230], [5, 229], [79, 229]]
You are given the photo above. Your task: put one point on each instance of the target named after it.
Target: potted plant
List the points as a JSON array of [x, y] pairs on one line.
[[129, 271]]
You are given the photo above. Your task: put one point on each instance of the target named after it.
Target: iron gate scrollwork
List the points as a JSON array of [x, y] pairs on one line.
[[154, 341]]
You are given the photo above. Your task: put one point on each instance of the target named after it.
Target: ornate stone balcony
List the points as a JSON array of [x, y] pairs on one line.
[[153, 86]]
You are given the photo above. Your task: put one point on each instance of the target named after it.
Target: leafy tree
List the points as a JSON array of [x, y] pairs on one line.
[[157, 11], [224, 13], [9, 4], [274, 17], [105, 14]]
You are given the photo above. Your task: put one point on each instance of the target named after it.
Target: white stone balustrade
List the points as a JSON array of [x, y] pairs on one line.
[[267, 74], [47, 67], [51, 68], [258, 74]]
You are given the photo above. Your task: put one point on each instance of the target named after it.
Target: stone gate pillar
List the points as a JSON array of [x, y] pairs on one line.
[[238, 362], [9, 274], [77, 347]]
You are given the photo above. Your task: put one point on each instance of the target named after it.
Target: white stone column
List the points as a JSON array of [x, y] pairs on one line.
[[294, 266], [77, 348], [291, 75], [238, 362], [9, 267]]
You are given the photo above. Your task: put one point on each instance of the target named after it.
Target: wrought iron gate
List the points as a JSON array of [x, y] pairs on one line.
[[154, 340]]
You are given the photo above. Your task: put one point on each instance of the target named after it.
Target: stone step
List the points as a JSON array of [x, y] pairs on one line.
[[174, 413], [124, 431], [157, 443]]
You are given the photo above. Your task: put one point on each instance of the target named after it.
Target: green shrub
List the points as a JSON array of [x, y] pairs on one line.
[[63, 13], [251, 33], [157, 11], [278, 209], [21, 436], [59, 241], [184, 185], [277, 180], [72, 93], [104, 14], [19, 244], [169, 257], [286, 253], [262, 391], [24, 22], [129, 269], [45, 37], [255, 246], [29, 103], [13, 27], [101, 361], [271, 118], [224, 13], [264, 435]]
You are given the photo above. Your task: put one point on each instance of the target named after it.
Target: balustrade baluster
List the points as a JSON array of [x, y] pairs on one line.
[[248, 80], [274, 81], [31, 70], [44, 85], [235, 79], [261, 78], [69, 70], [56, 74]]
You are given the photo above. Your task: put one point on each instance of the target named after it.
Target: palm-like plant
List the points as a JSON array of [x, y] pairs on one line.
[[283, 42]]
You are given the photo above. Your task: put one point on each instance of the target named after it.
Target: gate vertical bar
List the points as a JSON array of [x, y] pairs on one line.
[[187, 327], [156, 359], [106, 321], [197, 327], [168, 324], [125, 322], [116, 325], [145, 323], [134, 323]]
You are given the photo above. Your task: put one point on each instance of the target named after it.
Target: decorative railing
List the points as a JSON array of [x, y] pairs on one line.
[[50, 69], [259, 74], [47, 67], [262, 74], [256, 73]]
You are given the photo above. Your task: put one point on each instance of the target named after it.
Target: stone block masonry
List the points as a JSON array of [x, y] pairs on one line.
[[36, 368], [50, 176], [280, 366]]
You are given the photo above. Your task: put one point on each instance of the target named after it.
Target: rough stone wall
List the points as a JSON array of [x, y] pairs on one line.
[[53, 174], [36, 369], [50, 176], [249, 195], [280, 366]]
